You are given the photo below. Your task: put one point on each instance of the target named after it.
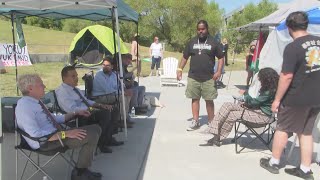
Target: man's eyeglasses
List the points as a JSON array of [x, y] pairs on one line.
[[106, 65]]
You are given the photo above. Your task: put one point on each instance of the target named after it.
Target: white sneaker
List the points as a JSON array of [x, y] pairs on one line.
[[194, 125]]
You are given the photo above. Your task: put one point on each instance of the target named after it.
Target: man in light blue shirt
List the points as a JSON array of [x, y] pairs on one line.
[[105, 88], [70, 98], [34, 118], [105, 82]]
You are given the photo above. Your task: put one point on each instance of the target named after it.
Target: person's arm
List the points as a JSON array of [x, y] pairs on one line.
[[219, 70], [290, 60], [219, 54], [283, 85], [258, 101], [27, 120], [183, 62], [72, 115], [73, 134]]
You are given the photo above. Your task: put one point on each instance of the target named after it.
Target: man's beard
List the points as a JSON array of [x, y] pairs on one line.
[[202, 37], [106, 71]]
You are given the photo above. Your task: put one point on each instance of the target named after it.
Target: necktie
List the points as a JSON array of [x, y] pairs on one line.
[[47, 112], [81, 97]]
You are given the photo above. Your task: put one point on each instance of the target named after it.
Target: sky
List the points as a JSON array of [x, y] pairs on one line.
[[230, 5]]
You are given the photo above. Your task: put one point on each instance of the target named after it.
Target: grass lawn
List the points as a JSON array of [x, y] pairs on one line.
[[50, 73], [41, 41]]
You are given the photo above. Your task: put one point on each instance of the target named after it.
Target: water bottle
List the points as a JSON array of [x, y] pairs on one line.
[[45, 178], [133, 112]]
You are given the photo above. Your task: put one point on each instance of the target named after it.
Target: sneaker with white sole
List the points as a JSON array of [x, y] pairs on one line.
[[194, 125]]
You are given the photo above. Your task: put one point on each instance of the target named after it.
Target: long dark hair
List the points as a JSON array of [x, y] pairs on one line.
[[269, 80]]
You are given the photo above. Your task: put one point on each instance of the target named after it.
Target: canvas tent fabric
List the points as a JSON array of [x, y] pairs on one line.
[[92, 39], [94, 10], [272, 52], [280, 15]]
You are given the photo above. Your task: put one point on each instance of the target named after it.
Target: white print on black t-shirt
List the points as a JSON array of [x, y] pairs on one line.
[[312, 58], [202, 46], [310, 43]]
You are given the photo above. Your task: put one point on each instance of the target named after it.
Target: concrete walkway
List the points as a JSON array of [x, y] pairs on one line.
[[159, 147], [174, 153]]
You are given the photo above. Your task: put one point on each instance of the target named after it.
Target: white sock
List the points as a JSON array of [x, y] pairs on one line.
[[274, 161], [305, 169]]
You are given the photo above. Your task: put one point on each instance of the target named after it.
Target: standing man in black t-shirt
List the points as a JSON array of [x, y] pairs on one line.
[[297, 99], [201, 79]]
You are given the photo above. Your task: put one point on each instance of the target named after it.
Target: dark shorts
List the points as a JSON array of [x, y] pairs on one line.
[[298, 120]]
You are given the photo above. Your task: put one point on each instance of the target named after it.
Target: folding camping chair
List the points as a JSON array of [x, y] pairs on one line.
[[22, 146], [168, 74], [268, 129], [88, 79], [58, 110]]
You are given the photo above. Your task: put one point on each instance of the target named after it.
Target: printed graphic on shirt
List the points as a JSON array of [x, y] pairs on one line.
[[202, 46], [312, 55]]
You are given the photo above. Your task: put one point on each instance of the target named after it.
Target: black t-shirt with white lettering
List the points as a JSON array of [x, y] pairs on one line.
[[203, 55], [302, 58]]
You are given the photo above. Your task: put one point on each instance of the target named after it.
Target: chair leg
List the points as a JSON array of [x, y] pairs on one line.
[[257, 136], [25, 166], [39, 168]]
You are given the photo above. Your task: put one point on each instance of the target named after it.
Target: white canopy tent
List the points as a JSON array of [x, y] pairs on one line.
[[280, 15], [94, 10]]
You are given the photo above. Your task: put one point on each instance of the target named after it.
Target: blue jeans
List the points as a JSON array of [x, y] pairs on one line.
[[155, 62]]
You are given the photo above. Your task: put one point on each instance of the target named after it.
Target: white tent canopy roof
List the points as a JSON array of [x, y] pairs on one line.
[[278, 16]]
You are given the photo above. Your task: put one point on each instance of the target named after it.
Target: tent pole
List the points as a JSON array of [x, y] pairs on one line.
[[138, 63], [115, 52], [14, 49], [234, 56], [114, 34], [121, 75]]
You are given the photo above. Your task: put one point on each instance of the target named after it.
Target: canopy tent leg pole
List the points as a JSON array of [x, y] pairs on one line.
[[14, 49], [115, 51], [233, 58], [138, 60], [121, 75]]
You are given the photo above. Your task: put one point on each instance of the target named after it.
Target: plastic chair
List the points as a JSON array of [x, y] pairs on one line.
[[168, 74]]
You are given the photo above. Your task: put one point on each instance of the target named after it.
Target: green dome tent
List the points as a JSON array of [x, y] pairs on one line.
[[92, 43]]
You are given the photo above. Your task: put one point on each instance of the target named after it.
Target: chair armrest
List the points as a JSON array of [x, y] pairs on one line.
[[246, 108], [41, 140]]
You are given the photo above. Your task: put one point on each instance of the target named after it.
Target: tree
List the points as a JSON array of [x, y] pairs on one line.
[[174, 22], [75, 25], [250, 13], [44, 22]]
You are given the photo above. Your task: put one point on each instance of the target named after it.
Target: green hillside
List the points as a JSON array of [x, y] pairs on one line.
[[41, 40]]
